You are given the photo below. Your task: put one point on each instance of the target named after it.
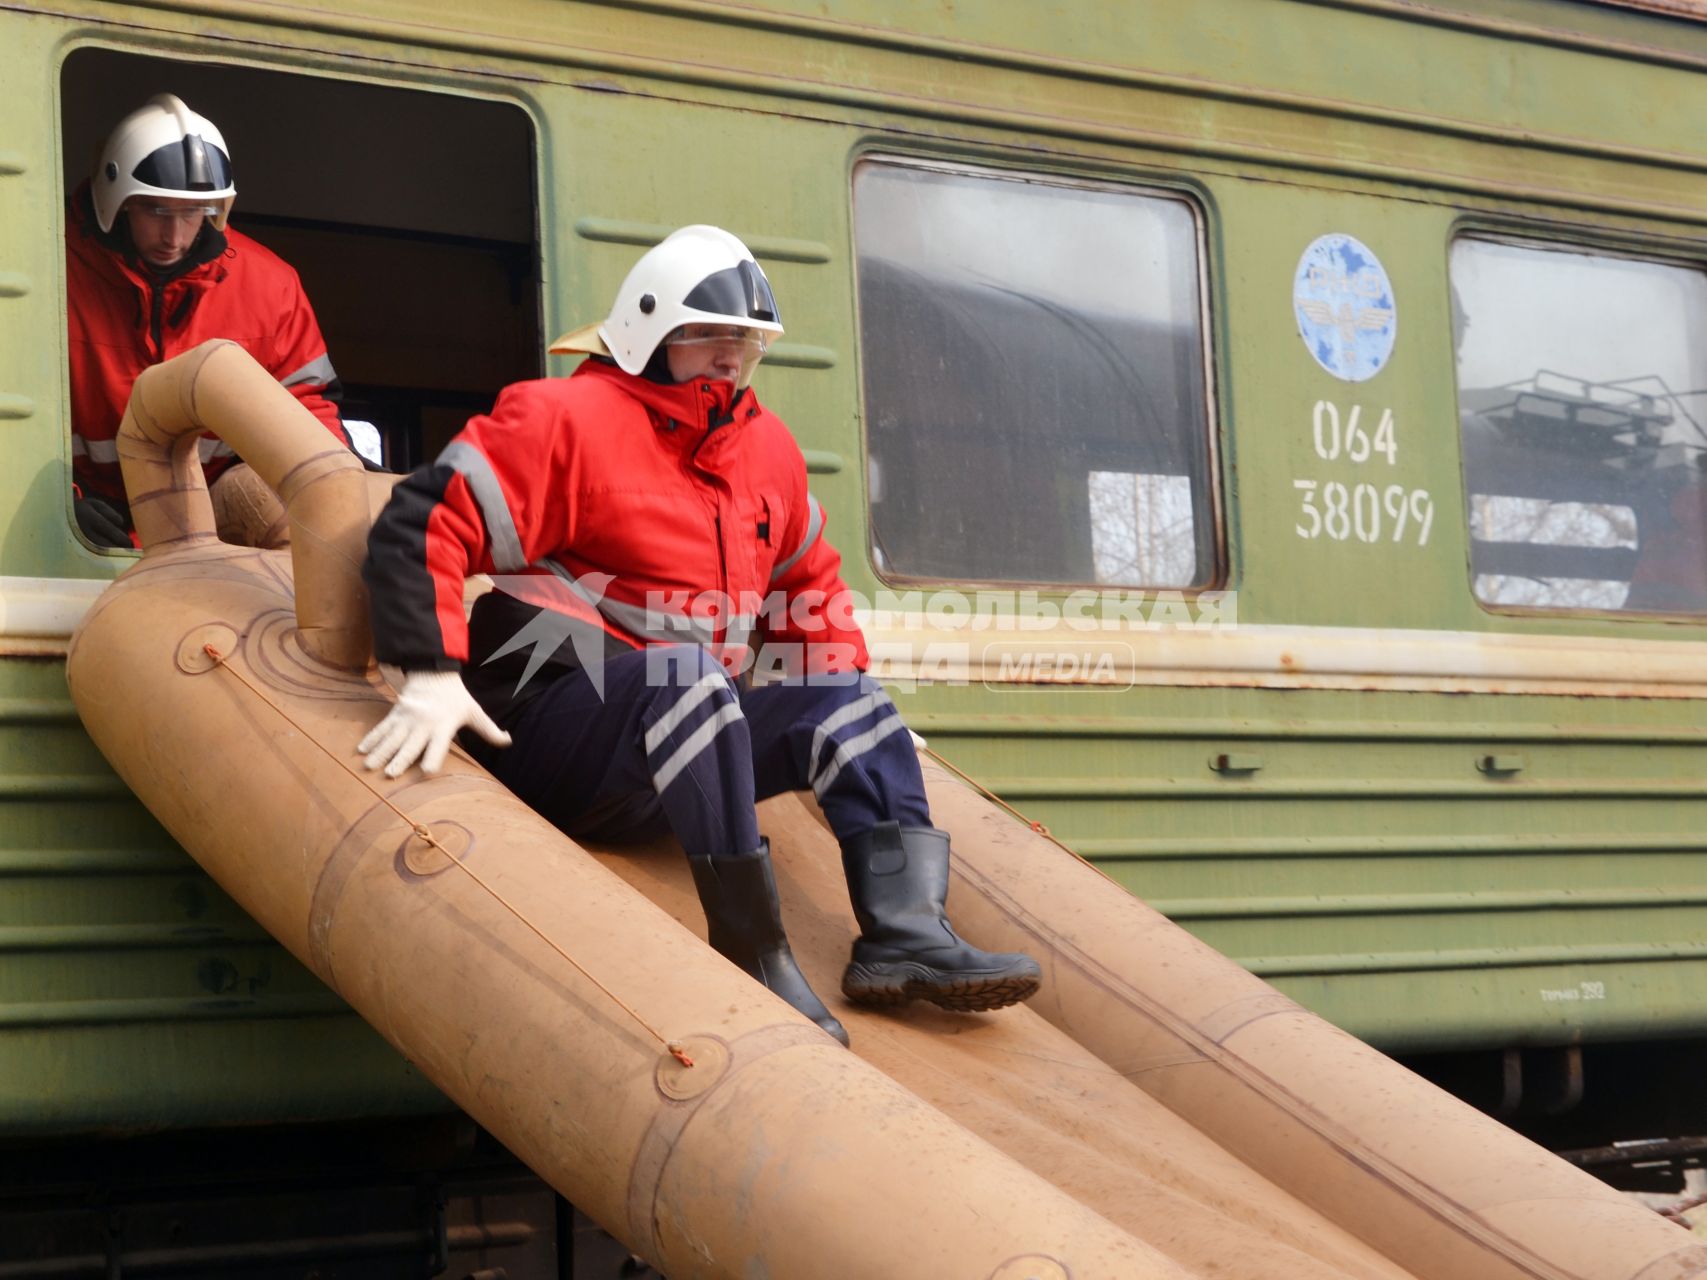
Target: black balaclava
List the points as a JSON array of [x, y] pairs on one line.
[[209, 243], [658, 367]]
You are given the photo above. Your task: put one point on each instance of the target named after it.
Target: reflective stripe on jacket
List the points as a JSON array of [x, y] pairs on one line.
[[616, 512], [121, 320]]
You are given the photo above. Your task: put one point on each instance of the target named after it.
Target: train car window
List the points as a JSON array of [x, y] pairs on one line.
[[1582, 390], [408, 215], [1036, 394]]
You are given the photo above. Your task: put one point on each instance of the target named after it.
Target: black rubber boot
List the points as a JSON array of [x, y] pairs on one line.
[[738, 892], [898, 880]]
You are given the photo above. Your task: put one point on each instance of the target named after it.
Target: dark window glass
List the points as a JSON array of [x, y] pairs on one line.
[[1035, 394]]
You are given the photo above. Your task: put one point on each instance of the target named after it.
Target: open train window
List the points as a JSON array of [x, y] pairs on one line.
[[1036, 392], [408, 215], [1582, 385]]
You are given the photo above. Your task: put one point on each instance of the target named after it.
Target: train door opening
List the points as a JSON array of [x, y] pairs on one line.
[[409, 216]]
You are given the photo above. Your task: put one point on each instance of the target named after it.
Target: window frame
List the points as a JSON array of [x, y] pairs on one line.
[[1582, 241], [296, 61], [998, 169]]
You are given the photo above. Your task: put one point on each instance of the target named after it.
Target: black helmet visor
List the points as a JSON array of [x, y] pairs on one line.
[[740, 290], [187, 165]]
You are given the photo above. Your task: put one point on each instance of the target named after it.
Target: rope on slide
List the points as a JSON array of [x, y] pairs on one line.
[[990, 795], [424, 833]]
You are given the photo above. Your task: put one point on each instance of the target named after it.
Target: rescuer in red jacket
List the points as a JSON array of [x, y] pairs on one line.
[[151, 271], [654, 546]]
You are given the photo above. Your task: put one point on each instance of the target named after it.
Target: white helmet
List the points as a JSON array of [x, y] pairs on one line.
[[163, 149], [696, 275]]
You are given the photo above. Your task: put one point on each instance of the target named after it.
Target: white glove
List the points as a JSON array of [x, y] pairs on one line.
[[429, 711]]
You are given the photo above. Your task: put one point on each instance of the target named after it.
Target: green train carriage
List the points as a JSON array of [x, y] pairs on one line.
[[1383, 678]]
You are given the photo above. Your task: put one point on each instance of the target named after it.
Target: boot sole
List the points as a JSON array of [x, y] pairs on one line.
[[888, 985]]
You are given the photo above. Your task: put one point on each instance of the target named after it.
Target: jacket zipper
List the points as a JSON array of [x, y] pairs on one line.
[[156, 305], [717, 518], [722, 570]]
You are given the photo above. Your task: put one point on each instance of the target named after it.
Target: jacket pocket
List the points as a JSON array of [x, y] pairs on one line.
[[761, 523]]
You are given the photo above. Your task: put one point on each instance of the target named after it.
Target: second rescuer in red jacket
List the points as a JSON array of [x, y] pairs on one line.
[[153, 270], [649, 528]]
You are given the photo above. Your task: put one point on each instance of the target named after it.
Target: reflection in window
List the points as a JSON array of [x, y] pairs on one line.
[[1036, 407], [1141, 528], [1582, 383]]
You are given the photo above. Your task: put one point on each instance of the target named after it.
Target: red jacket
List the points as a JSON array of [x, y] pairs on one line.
[[688, 499], [122, 320]]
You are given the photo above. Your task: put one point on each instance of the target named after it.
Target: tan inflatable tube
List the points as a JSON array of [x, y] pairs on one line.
[[1156, 1112], [1403, 1165]]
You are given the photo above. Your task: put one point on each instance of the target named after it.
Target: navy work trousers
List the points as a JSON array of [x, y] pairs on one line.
[[672, 744]]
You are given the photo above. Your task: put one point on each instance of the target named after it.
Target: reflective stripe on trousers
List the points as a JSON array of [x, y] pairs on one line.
[[674, 746]]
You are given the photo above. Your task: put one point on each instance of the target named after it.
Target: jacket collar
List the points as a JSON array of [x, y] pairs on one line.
[[699, 406]]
